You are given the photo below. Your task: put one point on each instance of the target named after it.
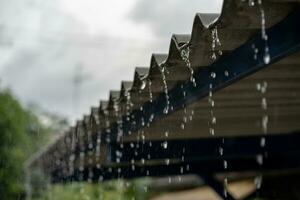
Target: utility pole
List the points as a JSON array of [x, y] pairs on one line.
[[78, 79]]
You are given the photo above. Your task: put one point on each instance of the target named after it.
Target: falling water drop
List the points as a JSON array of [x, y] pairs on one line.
[[267, 56], [150, 89], [226, 73], [225, 164], [182, 126], [259, 159], [251, 3], [213, 75], [167, 161], [143, 84], [165, 144], [263, 142], [214, 120], [221, 151], [167, 134]]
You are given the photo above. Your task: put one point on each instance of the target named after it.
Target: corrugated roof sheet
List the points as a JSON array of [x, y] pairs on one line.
[[237, 107]]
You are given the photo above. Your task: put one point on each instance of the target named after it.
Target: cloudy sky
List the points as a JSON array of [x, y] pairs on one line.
[[46, 45]]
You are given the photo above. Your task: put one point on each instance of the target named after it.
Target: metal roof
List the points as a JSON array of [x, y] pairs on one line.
[[236, 86]]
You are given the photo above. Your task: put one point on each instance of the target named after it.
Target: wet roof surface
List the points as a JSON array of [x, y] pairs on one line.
[[269, 97]]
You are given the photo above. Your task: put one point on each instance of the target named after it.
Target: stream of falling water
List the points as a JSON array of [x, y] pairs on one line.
[[185, 56], [98, 149], [216, 51], [262, 87], [215, 44], [81, 154], [162, 69], [90, 153], [150, 90]]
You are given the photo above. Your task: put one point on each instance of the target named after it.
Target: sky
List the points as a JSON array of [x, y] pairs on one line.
[[46, 45]]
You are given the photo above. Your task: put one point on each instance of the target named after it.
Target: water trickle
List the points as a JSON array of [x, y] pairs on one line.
[[184, 118], [215, 44], [162, 69], [150, 90], [185, 55], [264, 35], [262, 88], [213, 119], [225, 183]]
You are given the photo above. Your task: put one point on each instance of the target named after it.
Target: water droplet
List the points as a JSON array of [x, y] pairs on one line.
[[215, 42], [165, 144], [214, 120], [225, 164], [221, 151], [260, 159], [167, 161], [263, 142], [185, 54], [265, 121], [143, 85], [187, 167], [181, 170], [226, 73], [145, 189], [131, 145], [267, 58], [251, 3], [264, 103], [212, 131], [182, 126], [213, 75]]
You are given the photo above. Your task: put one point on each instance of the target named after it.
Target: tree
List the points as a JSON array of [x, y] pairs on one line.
[[21, 134]]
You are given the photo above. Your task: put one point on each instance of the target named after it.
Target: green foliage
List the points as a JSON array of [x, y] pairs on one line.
[[21, 134], [114, 190]]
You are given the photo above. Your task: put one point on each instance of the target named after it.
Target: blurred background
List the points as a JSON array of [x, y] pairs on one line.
[[65, 55]]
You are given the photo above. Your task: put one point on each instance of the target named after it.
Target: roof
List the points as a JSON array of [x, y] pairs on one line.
[[237, 101]]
